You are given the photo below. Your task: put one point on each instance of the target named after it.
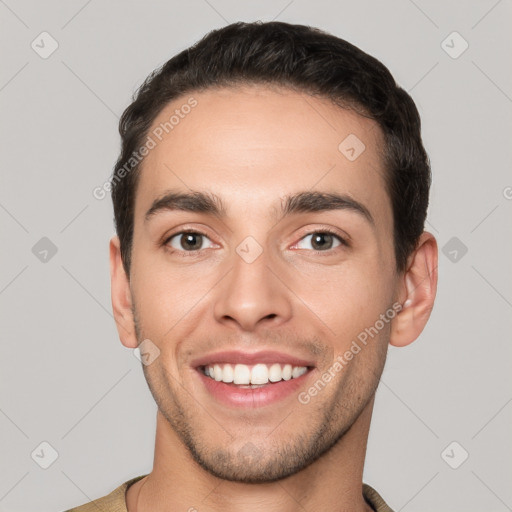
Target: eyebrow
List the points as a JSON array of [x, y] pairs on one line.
[[301, 202]]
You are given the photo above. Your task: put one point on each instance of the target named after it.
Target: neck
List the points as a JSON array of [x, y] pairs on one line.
[[177, 482]]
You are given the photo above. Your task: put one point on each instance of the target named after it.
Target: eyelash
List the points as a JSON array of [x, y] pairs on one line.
[[327, 231]]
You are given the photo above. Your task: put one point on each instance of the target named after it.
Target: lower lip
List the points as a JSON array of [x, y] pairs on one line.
[[237, 396]]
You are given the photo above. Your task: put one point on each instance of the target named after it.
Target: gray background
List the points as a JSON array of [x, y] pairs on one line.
[[65, 377]]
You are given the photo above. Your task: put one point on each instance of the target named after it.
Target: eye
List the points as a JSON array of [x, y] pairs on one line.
[[320, 241], [188, 241]]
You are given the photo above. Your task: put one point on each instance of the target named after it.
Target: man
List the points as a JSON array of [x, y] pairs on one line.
[[269, 201]]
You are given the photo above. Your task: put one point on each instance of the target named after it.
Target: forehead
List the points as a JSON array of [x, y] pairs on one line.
[[253, 144]]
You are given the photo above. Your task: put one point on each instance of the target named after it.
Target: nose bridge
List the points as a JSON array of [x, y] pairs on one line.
[[251, 292]]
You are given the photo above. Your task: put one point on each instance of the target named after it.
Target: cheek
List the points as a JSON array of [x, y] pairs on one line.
[[346, 298], [168, 300]]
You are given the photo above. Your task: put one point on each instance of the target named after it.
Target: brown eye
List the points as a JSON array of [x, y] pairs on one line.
[[320, 241], [187, 241]]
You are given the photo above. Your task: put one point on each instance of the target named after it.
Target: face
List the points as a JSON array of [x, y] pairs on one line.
[[285, 248]]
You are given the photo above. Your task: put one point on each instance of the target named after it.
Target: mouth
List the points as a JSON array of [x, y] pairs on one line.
[[253, 376], [252, 380]]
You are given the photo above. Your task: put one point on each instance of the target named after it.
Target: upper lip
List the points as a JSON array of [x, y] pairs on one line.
[[250, 358]]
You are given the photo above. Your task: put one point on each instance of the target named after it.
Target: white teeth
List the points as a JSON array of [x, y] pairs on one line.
[[228, 374], [217, 372], [242, 374], [258, 374], [275, 373], [298, 371]]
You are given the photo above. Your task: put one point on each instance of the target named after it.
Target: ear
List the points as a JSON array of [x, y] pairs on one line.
[[121, 297], [417, 292]]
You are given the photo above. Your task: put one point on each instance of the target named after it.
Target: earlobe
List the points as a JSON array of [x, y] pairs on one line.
[[121, 297], [418, 292]]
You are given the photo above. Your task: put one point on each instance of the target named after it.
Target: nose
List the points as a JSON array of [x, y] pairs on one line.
[[253, 294]]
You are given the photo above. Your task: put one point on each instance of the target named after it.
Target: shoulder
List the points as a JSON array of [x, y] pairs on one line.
[[113, 502]]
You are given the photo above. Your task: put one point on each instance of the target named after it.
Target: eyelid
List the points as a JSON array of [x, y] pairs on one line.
[[343, 239], [184, 231]]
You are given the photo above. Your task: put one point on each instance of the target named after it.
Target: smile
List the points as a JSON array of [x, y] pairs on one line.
[[258, 374]]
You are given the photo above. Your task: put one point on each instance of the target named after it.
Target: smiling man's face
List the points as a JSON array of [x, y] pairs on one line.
[[262, 272]]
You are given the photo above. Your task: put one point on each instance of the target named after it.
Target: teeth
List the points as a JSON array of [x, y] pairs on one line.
[[243, 374], [259, 374], [217, 372], [298, 371], [275, 373], [228, 374]]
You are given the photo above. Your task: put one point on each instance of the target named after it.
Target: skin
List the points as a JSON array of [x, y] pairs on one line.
[[252, 146]]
